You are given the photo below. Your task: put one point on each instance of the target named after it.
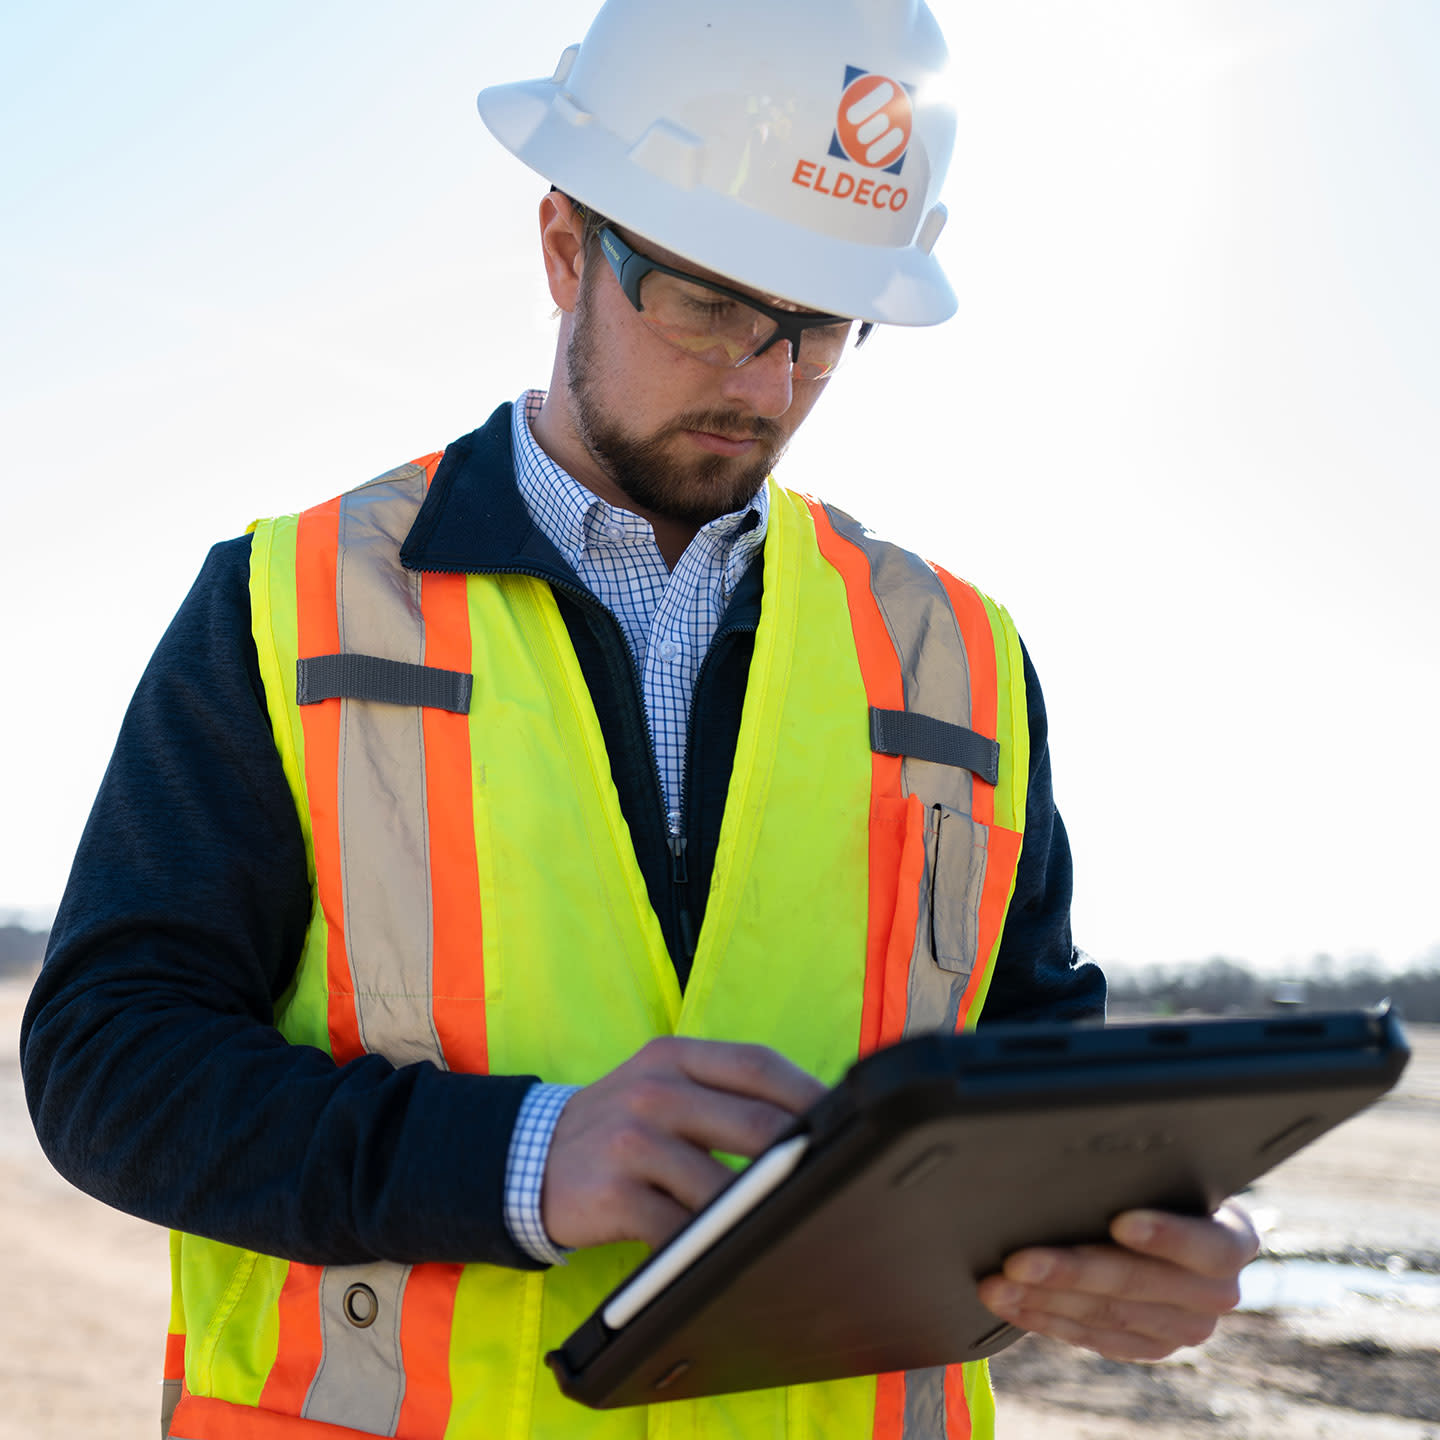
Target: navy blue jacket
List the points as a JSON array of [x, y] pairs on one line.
[[154, 1074]]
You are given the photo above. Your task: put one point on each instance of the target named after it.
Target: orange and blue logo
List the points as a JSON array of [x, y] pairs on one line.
[[872, 121]]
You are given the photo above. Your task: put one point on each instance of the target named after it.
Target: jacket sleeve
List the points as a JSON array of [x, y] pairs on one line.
[[155, 1077], [1039, 974]]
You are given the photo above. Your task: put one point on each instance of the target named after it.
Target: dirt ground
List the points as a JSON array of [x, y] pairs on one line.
[[82, 1336]]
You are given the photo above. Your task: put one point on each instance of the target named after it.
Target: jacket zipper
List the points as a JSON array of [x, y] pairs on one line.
[[680, 872]]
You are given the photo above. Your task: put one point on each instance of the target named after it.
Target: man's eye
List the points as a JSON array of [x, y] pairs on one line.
[[710, 307]]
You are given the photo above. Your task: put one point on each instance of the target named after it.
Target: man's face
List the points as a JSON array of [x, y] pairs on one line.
[[683, 439]]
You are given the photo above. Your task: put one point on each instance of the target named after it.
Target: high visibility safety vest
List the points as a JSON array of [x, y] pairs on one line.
[[478, 905]]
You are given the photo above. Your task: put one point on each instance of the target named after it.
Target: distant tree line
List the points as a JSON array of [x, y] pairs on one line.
[[21, 950], [1225, 987], [1210, 987]]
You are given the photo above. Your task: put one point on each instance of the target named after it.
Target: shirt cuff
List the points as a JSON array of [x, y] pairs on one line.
[[525, 1170]]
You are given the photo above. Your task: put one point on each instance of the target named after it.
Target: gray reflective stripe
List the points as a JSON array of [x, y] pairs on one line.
[[903, 732], [169, 1399], [936, 677], [926, 637], [392, 682], [924, 1404], [361, 1379], [383, 822]]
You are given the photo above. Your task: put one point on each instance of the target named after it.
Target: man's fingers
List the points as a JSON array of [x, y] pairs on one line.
[[1161, 1258], [711, 1119], [654, 1157], [619, 1179], [752, 1070], [622, 1210], [1111, 1270], [638, 1141], [1220, 1246], [651, 1216], [1164, 1285], [1099, 1321], [1130, 1345]]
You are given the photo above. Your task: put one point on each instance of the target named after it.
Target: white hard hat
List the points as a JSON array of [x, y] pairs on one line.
[[795, 146]]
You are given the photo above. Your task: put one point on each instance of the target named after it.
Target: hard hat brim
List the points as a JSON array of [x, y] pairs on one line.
[[536, 122]]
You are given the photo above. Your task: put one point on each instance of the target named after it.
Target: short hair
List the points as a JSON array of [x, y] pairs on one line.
[[594, 222]]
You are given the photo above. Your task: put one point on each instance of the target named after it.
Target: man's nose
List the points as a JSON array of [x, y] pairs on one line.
[[763, 385]]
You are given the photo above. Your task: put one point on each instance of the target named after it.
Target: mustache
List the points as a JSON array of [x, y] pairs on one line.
[[731, 423]]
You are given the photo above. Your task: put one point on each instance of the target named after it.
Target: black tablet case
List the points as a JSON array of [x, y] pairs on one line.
[[935, 1158]]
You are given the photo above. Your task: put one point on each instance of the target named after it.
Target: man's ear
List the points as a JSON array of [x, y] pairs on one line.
[[562, 241]]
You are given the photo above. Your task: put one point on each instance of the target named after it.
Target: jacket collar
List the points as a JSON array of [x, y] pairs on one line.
[[474, 522]]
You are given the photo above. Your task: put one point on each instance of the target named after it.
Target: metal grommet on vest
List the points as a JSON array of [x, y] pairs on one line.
[[360, 1306]]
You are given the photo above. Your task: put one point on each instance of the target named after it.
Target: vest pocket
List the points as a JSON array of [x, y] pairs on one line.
[[956, 849], [952, 881]]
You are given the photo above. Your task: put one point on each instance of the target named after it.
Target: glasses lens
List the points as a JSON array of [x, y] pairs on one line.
[[705, 323], [823, 347], [721, 330]]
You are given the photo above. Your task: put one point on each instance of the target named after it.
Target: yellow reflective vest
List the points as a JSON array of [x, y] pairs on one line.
[[478, 905]]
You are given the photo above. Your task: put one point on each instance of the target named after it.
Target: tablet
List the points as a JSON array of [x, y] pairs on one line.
[[853, 1245]]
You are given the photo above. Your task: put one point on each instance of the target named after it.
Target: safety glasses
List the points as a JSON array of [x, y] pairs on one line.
[[721, 326]]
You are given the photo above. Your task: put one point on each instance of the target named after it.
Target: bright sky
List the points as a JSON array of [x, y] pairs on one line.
[[1185, 425]]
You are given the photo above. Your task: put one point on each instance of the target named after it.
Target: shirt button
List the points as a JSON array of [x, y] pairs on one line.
[[670, 651]]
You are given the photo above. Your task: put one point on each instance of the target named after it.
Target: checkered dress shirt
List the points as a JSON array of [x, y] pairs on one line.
[[668, 618]]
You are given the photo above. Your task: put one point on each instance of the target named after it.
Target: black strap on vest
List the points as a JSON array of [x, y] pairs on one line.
[[392, 682], [923, 737]]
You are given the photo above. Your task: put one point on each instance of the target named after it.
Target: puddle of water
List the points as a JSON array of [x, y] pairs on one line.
[[1319, 1285]]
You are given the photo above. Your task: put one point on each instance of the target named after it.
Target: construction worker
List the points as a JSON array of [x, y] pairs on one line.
[[487, 848]]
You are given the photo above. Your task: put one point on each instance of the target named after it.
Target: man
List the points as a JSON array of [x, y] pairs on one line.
[[488, 848]]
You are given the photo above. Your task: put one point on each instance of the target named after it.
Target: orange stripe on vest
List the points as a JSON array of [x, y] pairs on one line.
[[458, 960], [174, 1356], [316, 553], [889, 1406], [302, 1344], [198, 1418], [880, 670], [425, 1325], [957, 1408]]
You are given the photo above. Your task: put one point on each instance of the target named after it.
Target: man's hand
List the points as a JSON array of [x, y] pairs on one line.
[[1163, 1284], [630, 1158]]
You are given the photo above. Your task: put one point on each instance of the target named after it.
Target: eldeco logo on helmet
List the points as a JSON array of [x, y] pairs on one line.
[[872, 129]]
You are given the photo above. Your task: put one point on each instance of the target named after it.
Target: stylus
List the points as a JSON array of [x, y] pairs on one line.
[[705, 1229]]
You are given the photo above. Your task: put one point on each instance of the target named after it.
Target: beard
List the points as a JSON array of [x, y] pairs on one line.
[[695, 490]]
